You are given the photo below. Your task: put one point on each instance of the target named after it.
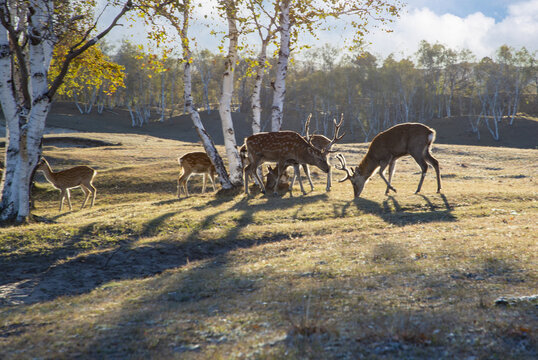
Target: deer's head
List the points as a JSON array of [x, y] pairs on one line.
[[283, 183], [357, 179]]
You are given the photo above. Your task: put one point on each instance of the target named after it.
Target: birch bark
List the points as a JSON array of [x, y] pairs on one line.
[[10, 203], [281, 67], [234, 160], [207, 141]]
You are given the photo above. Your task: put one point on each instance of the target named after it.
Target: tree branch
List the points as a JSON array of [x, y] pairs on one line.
[[72, 54]]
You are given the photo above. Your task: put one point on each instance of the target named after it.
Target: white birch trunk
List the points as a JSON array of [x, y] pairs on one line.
[[281, 67], [234, 160], [207, 141], [256, 93], [75, 95], [162, 98], [27, 124], [10, 203]]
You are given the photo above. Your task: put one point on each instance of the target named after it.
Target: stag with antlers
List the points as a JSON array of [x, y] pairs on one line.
[[388, 146], [285, 148], [320, 142]]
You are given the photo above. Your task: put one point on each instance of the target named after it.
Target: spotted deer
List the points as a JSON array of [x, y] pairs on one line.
[[270, 180], [285, 148], [388, 146], [196, 162], [65, 180], [320, 142]]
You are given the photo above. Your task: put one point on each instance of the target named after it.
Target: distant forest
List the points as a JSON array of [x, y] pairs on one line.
[[373, 93]]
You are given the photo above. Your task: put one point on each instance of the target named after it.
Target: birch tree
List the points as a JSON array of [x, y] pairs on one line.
[[267, 32], [203, 65], [279, 85], [178, 14], [225, 111], [29, 32], [297, 16]]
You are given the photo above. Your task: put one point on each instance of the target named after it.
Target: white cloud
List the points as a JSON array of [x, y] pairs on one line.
[[477, 32]]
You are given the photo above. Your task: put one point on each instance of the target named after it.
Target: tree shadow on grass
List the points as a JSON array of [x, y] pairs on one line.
[[68, 271], [208, 298]]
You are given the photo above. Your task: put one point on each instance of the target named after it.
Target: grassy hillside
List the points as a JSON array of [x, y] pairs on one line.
[[455, 130], [316, 276]]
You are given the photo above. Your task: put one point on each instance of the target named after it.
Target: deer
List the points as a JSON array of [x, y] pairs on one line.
[[413, 139], [319, 141], [65, 180], [270, 179], [196, 162], [286, 148]]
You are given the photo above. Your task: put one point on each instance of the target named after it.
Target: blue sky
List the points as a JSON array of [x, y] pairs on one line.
[[478, 25], [496, 9]]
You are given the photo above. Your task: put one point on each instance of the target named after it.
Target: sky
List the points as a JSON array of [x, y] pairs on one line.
[[481, 26]]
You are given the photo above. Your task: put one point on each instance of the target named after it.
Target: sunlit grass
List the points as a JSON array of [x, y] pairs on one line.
[[146, 275]]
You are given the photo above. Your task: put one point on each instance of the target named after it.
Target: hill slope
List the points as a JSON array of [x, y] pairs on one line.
[[522, 134]]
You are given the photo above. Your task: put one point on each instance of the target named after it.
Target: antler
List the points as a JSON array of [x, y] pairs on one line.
[[336, 130], [343, 166], [306, 128]]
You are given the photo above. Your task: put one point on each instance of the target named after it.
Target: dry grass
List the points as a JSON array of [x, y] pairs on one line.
[[144, 275]]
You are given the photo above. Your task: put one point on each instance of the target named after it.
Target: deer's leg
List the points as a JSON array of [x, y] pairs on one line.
[[280, 167], [62, 196], [424, 166], [260, 174], [205, 180], [94, 194], [433, 161], [307, 172], [254, 170], [180, 181], [182, 184], [186, 185], [297, 174], [382, 167], [212, 178], [246, 170], [87, 193], [249, 170], [329, 179], [68, 193], [392, 167]]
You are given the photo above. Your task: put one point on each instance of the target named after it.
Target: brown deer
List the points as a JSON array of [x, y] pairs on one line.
[[70, 178], [388, 146], [270, 179], [196, 162], [286, 148], [320, 142]]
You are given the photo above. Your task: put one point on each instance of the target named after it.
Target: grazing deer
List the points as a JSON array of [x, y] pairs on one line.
[[320, 142], [270, 180], [286, 148], [70, 178], [196, 162], [388, 146]]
